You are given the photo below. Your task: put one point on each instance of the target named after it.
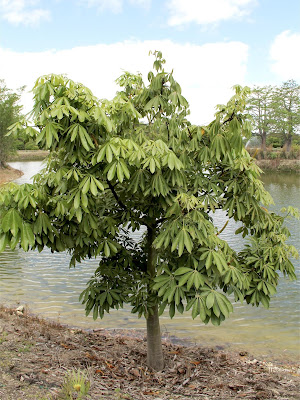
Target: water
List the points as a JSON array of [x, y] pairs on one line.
[[44, 282]]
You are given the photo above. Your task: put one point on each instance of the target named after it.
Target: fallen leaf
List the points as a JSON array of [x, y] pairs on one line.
[[99, 371]]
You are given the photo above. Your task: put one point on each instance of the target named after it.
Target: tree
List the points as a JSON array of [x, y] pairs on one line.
[[287, 111], [260, 108], [9, 114], [136, 164]]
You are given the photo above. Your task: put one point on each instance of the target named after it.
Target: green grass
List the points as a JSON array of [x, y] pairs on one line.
[[29, 155]]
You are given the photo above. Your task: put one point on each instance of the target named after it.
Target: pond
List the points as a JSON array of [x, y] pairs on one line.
[[44, 282]]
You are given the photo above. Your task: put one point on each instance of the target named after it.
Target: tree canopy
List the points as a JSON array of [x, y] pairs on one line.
[[9, 114], [275, 110], [136, 163]]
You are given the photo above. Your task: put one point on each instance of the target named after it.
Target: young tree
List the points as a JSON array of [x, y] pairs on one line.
[[136, 164], [9, 114], [259, 106], [286, 101]]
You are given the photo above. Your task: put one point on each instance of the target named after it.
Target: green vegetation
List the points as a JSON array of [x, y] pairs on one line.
[[276, 114], [29, 155], [10, 112], [136, 164], [76, 385]]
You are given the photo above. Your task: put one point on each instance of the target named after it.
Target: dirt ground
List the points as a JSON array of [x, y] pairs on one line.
[[9, 174], [36, 355]]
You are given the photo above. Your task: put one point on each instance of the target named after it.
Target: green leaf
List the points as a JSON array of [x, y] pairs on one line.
[[93, 187], [120, 173], [210, 299], [3, 241], [187, 241], [77, 200], [27, 236], [95, 312], [86, 186], [12, 222], [112, 171]]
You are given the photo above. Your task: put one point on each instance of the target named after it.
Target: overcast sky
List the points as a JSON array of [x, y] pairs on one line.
[[210, 44]]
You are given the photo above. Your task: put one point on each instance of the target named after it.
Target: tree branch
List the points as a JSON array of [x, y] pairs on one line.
[[119, 201], [122, 205], [229, 119], [220, 231]]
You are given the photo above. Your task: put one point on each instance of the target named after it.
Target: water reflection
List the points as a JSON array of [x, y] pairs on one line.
[[50, 288]]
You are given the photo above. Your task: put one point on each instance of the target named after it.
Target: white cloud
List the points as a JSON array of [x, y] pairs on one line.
[[205, 12], [24, 12], [285, 54], [206, 73], [115, 6]]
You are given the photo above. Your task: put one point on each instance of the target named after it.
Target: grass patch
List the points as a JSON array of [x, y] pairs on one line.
[[29, 155]]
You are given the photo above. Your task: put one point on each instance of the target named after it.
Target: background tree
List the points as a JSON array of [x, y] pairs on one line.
[[10, 112], [260, 107], [286, 111], [136, 164]]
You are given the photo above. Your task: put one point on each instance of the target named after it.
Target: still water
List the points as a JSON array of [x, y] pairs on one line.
[[44, 282]]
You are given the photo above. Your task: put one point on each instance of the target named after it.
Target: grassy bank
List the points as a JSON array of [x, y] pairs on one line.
[[279, 165], [29, 155], [9, 174]]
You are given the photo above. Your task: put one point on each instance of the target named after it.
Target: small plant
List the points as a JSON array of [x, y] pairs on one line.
[[76, 385], [26, 347], [295, 151], [273, 155], [3, 337]]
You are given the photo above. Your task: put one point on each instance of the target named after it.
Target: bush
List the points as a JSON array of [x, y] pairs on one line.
[[295, 152], [31, 146], [19, 145], [276, 140], [296, 140]]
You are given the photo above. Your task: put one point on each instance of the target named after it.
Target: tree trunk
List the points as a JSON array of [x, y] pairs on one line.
[[155, 357], [264, 141], [288, 143]]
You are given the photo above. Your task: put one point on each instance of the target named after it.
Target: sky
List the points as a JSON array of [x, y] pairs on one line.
[[210, 44]]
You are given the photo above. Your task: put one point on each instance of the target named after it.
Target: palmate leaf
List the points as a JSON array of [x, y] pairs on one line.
[[27, 236], [136, 163], [12, 222]]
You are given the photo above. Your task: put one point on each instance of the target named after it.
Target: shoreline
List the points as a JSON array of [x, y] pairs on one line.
[[36, 354], [278, 165], [8, 174], [29, 155]]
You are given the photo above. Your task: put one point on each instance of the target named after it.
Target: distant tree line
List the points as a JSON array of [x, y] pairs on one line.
[[10, 112], [276, 114]]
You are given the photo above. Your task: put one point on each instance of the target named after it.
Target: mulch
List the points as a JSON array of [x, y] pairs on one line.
[[36, 354]]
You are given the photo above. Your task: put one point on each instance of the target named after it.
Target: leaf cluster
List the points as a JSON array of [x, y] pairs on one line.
[[135, 163]]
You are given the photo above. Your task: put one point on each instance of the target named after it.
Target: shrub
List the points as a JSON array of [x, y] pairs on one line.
[[31, 146], [19, 145], [276, 140]]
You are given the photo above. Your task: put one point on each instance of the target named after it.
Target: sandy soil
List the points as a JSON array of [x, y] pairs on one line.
[[9, 174], [37, 354]]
